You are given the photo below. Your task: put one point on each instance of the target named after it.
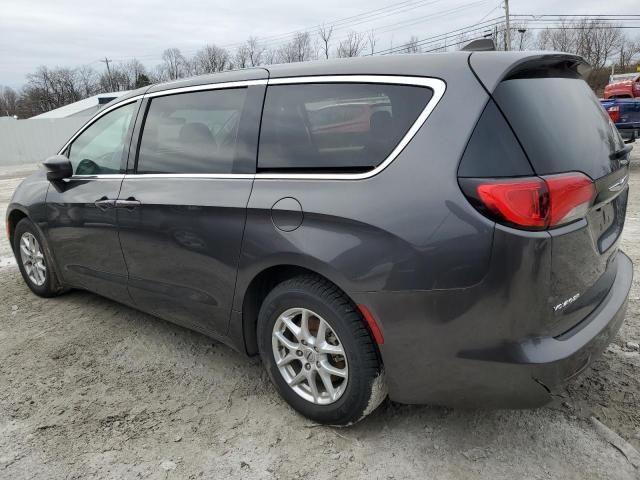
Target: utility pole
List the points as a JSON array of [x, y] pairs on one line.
[[507, 32], [107, 60], [522, 32]]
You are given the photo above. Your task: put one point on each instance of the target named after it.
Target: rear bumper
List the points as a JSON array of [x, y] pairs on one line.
[[445, 362]]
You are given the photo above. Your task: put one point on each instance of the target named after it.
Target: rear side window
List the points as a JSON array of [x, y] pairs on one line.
[[493, 150], [192, 132], [561, 125], [336, 126]]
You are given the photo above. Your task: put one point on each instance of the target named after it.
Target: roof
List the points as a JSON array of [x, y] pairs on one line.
[[492, 67], [416, 64], [86, 107]]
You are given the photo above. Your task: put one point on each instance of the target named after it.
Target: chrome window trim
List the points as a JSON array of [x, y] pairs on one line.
[[204, 87], [106, 176], [232, 176], [96, 117], [437, 85]]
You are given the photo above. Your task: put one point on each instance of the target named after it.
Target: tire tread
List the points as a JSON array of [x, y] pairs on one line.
[[334, 298]]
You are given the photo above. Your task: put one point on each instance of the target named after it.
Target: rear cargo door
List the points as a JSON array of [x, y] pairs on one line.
[[563, 128]]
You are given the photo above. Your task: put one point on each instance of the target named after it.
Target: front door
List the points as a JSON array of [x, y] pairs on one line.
[[182, 209], [81, 218]]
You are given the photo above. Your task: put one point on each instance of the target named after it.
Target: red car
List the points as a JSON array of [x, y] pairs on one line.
[[626, 85]]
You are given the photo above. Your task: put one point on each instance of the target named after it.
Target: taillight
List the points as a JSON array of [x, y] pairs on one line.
[[614, 113], [570, 195], [533, 203], [522, 202]]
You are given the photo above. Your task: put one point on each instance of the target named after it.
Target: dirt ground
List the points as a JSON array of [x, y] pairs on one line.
[[93, 389]]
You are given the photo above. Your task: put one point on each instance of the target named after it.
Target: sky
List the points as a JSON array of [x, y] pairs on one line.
[[71, 33]]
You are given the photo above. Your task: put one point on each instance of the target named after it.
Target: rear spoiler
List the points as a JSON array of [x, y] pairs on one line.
[[493, 67]]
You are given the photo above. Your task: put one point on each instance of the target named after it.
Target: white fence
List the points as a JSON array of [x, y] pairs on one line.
[[33, 140]]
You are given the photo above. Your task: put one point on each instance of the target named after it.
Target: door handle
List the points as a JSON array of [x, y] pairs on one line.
[[104, 203], [130, 203]]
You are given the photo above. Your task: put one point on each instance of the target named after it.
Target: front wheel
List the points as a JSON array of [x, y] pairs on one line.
[[318, 352], [35, 265]]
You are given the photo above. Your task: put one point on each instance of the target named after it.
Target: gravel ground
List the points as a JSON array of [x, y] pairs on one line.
[[93, 389]]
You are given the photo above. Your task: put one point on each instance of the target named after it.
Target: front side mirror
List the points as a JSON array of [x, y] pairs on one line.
[[58, 167]]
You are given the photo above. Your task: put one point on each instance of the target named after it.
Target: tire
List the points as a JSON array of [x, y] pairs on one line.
[[346, 400], [45, 283]]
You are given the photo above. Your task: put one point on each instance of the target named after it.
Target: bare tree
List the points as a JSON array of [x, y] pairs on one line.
[[88, 81], [595, 40], [371, 41], [8, 102], [241, 57], [255, 51], [412, 46], [560, 38], [592, 39], [174, 65], [211, 59], [270, 56], [136, 73], [299, 49], [325, 34], [352, 45], [47, 89], [628, 53]]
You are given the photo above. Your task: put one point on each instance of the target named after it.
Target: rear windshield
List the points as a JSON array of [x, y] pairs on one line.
[[561, 125]]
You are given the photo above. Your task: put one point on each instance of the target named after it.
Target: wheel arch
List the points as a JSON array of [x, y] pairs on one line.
[[13, 217], [259, 287]]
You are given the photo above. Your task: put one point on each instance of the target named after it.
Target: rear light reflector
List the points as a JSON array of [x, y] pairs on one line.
[[532, 203], [373, 325], [614, 113]]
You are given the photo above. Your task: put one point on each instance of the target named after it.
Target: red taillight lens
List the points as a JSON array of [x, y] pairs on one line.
[[533, 203], [614, 113], [521, 202], [570, 197]]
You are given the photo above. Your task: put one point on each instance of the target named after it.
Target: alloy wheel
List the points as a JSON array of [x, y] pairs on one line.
[[310, 356], [33, 259]]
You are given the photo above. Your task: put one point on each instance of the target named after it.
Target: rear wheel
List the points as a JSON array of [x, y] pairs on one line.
[[318, 351], [33, 261]]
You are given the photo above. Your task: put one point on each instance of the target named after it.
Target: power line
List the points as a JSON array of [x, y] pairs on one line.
[[419, 20], [500, 21], [365, 17], [576, 16], [490, 12], [280, 39], [442, 36]]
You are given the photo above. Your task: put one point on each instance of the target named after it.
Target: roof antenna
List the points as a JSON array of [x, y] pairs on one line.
[[480, 45]]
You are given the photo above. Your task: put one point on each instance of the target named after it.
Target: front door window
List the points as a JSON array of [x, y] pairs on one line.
[[100, 148]]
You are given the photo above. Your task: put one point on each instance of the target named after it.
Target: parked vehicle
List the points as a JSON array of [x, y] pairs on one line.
[[626, 85], [625, 114], [461, 249]]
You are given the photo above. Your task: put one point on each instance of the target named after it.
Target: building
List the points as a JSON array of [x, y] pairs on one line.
[[34, 139]]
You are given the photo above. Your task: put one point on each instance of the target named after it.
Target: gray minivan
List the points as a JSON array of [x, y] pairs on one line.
[[437, 228]]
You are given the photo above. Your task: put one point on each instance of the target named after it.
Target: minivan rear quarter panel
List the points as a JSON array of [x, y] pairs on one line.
[[397, 230]]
